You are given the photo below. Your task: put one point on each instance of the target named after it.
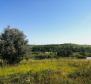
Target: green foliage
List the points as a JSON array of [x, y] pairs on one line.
[[65, 50], [12, 45], [43, 55], [54, 71]]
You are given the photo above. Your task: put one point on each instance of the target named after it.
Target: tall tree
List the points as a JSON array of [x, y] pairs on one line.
[[12, 45]]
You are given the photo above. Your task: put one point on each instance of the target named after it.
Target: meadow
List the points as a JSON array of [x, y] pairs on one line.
[[47, 71]]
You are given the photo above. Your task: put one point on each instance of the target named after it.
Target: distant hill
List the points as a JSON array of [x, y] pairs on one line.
[[66, 49]]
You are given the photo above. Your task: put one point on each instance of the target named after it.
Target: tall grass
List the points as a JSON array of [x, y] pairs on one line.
[[51, 71]]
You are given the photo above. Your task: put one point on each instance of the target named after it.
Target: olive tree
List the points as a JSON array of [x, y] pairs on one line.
[[12, 45]]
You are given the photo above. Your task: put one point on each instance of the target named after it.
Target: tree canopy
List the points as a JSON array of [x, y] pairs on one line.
[[12, 45]]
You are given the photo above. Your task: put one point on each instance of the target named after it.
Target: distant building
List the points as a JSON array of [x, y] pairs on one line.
[[88, 58]]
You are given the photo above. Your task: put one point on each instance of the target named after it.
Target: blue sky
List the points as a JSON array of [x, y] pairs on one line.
[[49, 21]]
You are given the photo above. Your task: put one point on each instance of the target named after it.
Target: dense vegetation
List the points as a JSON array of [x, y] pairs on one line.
[[52, 71], [12, 45], [59, 64], [63, 50]]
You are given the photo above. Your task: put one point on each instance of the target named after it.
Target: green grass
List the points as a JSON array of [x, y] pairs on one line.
[[48, 71]]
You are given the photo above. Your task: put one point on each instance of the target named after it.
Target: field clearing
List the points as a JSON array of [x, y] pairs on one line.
[[38, 65], [52, 71]]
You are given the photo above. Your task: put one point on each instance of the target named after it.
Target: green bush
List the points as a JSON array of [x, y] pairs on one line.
[[43, 55], [13, 45]]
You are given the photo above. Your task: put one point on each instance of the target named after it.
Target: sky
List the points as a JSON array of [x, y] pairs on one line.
[[49, 21]]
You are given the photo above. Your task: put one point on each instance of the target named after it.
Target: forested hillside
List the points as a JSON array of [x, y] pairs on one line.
[[63, 50]]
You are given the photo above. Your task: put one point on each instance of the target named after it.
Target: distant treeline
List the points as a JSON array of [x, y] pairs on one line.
[[64, 50]]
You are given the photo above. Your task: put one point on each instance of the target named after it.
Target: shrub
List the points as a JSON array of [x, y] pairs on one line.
[[12, 45]]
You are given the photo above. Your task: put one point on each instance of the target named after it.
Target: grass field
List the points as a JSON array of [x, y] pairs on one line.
[[48, 71]]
